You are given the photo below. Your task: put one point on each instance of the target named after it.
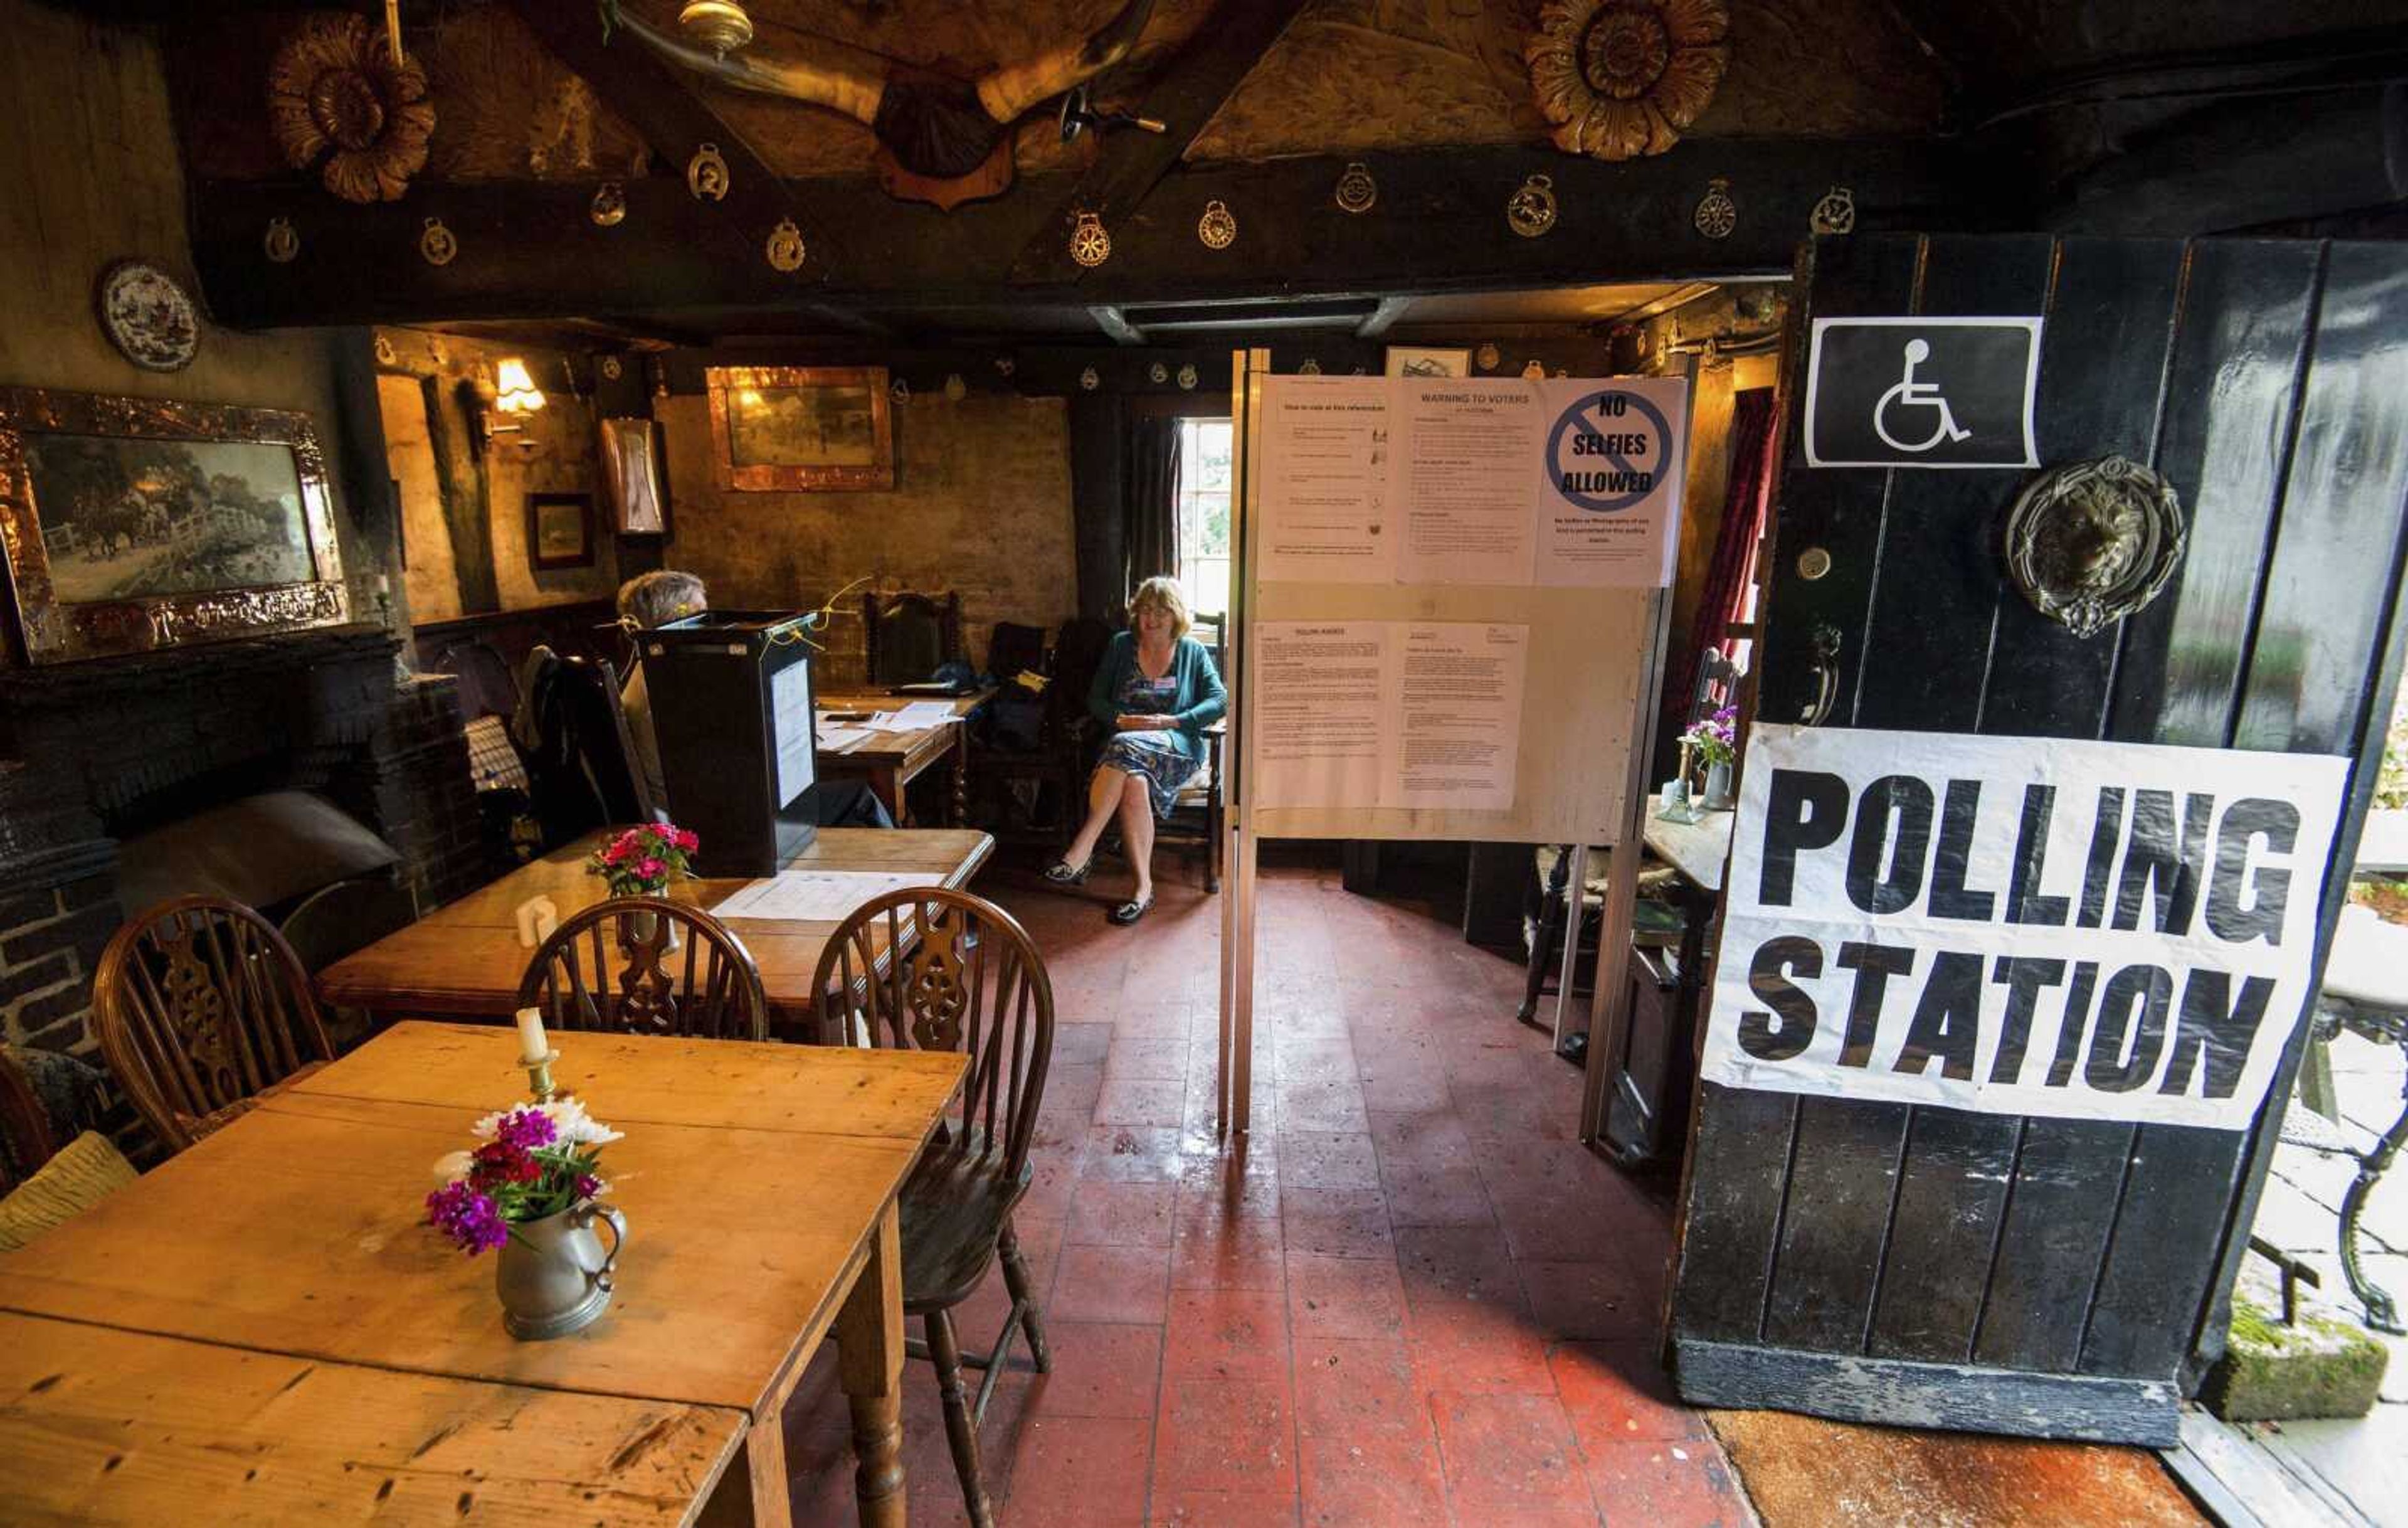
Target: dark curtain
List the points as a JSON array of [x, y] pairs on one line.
[[1097, 431], [1150, 499], [1752, 423]]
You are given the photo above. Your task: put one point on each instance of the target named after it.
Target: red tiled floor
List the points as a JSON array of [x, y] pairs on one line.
[[1409, 1299]]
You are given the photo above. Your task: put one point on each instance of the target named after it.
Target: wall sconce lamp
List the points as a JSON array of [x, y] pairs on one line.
[[514, 394]]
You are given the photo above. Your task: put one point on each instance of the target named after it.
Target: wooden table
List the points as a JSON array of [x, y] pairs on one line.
[[759, 1183], [463, 961], [1697, 849], [891, 760]]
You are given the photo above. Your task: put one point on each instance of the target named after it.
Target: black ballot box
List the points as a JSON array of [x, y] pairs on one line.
[[731, 701]]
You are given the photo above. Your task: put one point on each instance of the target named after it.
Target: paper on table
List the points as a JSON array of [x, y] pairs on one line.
[[836, 740], [911, 716], [821, 896]]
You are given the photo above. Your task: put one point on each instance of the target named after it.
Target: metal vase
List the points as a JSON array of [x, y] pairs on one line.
[[552, 1274], [1718, 787]]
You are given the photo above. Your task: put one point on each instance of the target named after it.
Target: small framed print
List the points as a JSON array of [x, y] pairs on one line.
[[788, 429], [1427, 361], [560, 530]]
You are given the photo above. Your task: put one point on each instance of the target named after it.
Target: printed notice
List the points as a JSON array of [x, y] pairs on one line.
[[1325, 495], [1457, 718], [1613, 456], [1318, 715], [1464, 479]]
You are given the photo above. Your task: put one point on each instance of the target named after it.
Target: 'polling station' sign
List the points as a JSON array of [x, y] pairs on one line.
[[1922, 392], [2019, 925]]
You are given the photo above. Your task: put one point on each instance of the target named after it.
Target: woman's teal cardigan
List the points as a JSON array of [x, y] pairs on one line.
[[1202, 699]]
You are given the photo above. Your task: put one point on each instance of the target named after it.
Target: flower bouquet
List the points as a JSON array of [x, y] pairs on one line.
[[642, 862], [1715, 742], [530, 1190]]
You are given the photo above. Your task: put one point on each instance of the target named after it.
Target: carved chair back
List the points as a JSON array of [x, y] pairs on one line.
[[967, 978], [201, 1007], [24, 1128], [645, 965], [905, 636]]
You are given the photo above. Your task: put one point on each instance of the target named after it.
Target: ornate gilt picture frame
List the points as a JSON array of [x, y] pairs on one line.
[[797, 428], [132, 524]]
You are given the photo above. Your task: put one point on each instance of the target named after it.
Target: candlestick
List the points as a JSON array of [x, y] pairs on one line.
[[539, 1081]]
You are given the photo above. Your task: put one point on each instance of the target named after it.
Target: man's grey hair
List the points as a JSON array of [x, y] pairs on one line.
[[656, 599]]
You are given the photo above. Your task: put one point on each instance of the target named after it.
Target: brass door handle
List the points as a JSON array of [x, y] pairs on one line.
[[1826, 676]]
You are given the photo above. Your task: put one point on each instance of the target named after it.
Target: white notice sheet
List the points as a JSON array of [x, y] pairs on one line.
[[1457, 722], [819, 896], [1464, 479], [791, 719], [1325, 497], [1320, 693]]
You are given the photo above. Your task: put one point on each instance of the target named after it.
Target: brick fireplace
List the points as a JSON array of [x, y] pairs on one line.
[[93, 753]]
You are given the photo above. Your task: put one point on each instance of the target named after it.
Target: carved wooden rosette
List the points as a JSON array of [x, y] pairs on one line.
[[337, 91], [56, 632], [1622, 78]]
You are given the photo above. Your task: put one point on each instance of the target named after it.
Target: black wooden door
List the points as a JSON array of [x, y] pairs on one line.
[[1934, 1267]]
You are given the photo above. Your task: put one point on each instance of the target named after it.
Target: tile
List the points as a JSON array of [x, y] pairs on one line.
[[1365, 1444], [1132, 1154], [1375, 1499], [1100, 1369], [1436, 1196], [1235, 1435], [1159, 1020], [1591, 1300], [1228, 1333], [1052, 1178], [1509, 1453], [1079, 1472], [1125, 1284], [1655, 1484], [1336, 1222], [1081, 1044], [1105, 1213], [1154, 1059], [1242, 1178], [1132, 1101], [1617, 1393], [1317, 1159], [1315, 1058], [1216, 1247], [1322, 1106], [1222, 1510], [1343, 1297]]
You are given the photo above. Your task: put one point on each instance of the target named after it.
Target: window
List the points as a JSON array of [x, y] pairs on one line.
[[1205, 472]]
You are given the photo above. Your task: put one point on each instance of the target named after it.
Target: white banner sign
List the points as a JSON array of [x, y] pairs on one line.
[[2020, 926]]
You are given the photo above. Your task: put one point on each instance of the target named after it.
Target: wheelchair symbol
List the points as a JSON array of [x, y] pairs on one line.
[[1909, 394]]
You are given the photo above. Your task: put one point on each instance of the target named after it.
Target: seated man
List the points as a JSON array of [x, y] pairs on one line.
[[656, 599]]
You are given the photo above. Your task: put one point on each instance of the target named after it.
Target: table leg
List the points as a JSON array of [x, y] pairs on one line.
[[765, 1465], [870, 1342], [887, 786], [961, 804]]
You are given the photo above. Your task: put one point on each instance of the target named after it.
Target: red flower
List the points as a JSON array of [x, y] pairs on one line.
[[615, 852], [685, 840], [498, 1162], [652, 869]]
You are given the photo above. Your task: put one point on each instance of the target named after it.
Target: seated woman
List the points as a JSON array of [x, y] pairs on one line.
[[1156, 691]]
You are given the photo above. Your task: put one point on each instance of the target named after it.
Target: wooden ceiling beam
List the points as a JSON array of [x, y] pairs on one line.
[[1184, 94], [1378, 321], [1115, 323]]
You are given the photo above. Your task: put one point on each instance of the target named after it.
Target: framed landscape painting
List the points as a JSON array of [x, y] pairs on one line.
[[136, 524], [801, 427], [560, 530]]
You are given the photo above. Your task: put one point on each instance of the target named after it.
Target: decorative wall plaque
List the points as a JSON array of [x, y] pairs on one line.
[[1356, 191], [1836, 213], [1218, 227], [1187, 378], [1531, 211], [1088, 381], [1090, 245], [1157, 372], [147, 316], [1309, 367], [705, 174], [281, 244], [1622, 78], [436, 243], [2091, 543], [609, 207], [1486, 356], [1716, 214], [785, 249]]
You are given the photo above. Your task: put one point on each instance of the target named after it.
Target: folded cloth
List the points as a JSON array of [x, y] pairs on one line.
[[88, 1171]]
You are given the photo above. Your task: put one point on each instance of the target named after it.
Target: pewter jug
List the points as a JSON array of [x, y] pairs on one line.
[[552, 1274]]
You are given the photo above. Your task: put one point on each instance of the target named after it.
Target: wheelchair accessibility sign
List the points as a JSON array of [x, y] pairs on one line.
[[1922, 392]]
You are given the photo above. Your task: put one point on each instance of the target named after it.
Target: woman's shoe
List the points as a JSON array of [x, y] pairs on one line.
[[1129, 911], [1060, 873]]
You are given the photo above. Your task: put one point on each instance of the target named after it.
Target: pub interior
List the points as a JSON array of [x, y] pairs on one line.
[[1206, 762]]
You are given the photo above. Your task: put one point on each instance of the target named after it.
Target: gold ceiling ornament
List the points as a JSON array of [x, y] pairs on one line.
[[1090, 245], [720, 25], [1531, 211], [339, 91], [705, 174], [1716, 214], [1356, 191], [1218, 226], [281, 244], [785, 249], [1622, 78], [609, 207], [436, 243]]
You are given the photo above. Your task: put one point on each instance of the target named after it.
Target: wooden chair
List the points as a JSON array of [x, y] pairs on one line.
[[971, 980], [203, 1009], [905, 636], [706, 987], [1196, 817], [24, 1128], [1057, 767]]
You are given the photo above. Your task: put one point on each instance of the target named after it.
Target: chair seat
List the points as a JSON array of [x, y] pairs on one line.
[[1198, 790], [953, 1207], [199, 1126]]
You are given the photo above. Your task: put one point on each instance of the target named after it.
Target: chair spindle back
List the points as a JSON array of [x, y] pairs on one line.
[[611, 967]]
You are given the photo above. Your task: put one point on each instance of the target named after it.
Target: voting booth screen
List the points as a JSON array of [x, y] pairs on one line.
[[2018, 925], [731, 698]]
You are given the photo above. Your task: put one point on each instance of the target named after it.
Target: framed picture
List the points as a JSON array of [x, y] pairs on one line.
[[135, 523], [560, 530], [801, 427], [1427, 361], [631, 478]]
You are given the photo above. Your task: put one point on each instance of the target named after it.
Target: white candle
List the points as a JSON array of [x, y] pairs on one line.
[[532, 1047]]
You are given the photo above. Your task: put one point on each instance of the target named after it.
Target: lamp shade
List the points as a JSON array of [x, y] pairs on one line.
[[517, 393]]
